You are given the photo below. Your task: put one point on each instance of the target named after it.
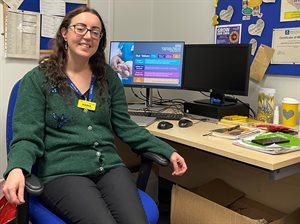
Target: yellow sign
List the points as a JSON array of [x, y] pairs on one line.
[[83, 104]]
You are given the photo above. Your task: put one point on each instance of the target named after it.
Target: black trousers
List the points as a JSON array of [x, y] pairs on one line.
[[107, 199]]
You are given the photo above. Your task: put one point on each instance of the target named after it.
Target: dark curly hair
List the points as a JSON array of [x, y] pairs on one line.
[[54, 65]]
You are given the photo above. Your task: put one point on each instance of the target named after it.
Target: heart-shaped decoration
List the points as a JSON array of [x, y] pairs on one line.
[[288, 114], [226, 14], [257, 29], [253, 43], [294, 3]]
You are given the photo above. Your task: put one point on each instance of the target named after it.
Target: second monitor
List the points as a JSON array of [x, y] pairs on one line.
[[217, 68]]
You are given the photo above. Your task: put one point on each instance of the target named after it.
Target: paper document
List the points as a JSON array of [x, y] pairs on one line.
[[22, 34], [261, 62]]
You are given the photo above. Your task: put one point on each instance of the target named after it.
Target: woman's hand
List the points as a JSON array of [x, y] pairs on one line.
[[179, 165], [13, 188]]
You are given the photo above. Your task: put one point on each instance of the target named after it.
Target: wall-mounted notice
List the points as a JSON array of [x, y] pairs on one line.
[[22, 34], [289, 10], [286, 43], [228, 34]]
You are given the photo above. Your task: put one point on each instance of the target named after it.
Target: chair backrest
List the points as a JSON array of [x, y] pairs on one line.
[[10, 112]]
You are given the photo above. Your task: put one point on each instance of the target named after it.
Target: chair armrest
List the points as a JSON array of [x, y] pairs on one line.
[[33, 185], [147, 160], [157, 158]]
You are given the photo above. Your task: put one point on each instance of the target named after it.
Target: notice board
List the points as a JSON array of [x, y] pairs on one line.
[[270, 13], [34, 6]]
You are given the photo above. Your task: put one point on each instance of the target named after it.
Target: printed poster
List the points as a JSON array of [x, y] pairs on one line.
[[228, 34], [290, 10], [286, 43]]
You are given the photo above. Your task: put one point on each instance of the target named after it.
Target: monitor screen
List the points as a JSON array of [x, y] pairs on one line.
[[148, 63], [217, 68]]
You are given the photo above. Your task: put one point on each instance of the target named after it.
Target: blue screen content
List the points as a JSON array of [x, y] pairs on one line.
[[148, 64]]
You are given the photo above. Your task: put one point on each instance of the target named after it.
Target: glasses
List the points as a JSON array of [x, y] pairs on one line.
[[81, 29]]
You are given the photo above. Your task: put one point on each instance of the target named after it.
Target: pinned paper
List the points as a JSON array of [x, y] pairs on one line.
[[13, 4], [247, 11], [256, 29], [215, 20], [244, 18], [253, 43], [254, 3], [261, 62], [294, 3], [226, 14]]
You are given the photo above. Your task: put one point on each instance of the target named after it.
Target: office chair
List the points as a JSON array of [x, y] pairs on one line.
[[37, 213]]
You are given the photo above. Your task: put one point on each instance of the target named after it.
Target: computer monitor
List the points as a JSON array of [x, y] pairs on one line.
[[148, 64], [217, 68]]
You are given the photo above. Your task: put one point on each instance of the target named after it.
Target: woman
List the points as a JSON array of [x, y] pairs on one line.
[[67, 112]]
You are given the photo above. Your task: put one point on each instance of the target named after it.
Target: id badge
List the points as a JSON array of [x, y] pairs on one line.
[[84, 104]]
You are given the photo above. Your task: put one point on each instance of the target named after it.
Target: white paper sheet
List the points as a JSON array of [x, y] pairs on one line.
[[13, 4], [50, 25], [77, 1], [286, 43], [290, 10], [53, 7], [22, 34]]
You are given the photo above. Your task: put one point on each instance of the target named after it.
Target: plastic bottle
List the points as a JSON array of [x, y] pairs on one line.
[[276, 115]]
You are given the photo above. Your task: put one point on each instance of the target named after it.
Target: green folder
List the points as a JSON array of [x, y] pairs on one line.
[[292, 145]]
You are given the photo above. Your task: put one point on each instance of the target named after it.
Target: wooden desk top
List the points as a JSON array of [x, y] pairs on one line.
[[193, 136]]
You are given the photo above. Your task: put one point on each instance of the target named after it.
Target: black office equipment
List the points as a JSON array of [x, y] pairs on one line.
[[185, 123], [218, 69], [269, 17], [214, 110], [164, 125], [155, 64], [158, 115]]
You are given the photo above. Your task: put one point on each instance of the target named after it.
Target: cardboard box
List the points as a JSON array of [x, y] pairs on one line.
[[191, 208]]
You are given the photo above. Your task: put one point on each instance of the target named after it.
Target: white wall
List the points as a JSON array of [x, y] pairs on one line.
[[188, 20]]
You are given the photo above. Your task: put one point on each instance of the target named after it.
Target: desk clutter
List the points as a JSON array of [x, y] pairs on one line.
[[218, 202], [263, 137]]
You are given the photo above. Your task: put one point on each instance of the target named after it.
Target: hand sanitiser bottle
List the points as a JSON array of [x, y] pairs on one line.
[[276, 115]]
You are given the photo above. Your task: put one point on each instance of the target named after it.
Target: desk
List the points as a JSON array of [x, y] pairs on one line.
[[278, 165]]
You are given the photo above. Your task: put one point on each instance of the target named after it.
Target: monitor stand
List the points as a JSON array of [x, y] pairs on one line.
[[218, 99], [148, 103]]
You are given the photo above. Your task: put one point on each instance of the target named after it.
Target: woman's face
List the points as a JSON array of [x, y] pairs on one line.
[[82, 42]]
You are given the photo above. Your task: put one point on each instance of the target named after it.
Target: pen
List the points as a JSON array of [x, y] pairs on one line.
[[233, 128]]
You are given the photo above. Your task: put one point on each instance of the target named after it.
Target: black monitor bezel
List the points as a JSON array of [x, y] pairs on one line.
[[229, 92], [156, 41]]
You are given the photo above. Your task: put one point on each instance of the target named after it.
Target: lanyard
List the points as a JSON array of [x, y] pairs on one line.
[[72, 85]]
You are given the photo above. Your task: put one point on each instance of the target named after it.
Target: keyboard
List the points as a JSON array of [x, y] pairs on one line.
[[157, 115], [142, 120]]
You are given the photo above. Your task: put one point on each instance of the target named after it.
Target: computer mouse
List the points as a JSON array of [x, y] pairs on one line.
[[164, 125], [185, 123]]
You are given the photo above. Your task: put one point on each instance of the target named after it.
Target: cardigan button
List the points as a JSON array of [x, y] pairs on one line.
[[98, 154], [96, 144], [101, 169], [90, 128]]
